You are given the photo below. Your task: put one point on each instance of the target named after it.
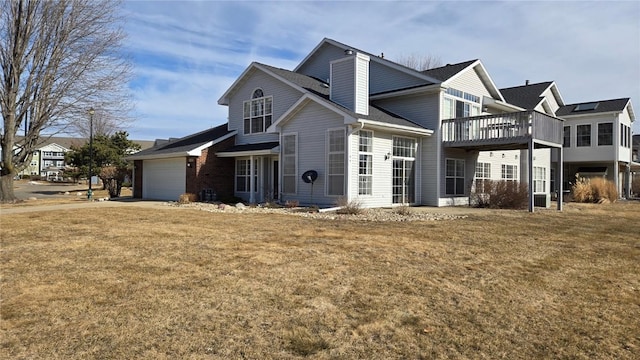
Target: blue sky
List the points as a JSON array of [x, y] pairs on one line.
[[187, 53]]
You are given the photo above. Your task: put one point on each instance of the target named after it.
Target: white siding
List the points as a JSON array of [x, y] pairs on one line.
[[362, 85], [469, 81], [382, 170], [594, 152], [284, 97], [311, 123]]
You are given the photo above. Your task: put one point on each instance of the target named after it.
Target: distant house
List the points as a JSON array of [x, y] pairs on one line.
[[349, 125], [48, 161]]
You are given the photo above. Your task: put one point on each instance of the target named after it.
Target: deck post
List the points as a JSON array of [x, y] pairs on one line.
[[559, 178], [530, 164], [252, 184]]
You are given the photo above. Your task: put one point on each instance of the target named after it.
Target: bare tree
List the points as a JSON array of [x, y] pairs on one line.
[[419, 62], [59, 58]]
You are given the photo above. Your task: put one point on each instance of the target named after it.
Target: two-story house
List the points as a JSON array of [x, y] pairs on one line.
[[347, 124], [361, 127]]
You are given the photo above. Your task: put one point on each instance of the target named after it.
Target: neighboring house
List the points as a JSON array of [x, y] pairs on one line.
[[185, 165], [373, 131], [52, 161], [597, 141], [48, 159]]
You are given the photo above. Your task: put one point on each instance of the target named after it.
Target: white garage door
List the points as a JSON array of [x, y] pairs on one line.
[[163, 179]]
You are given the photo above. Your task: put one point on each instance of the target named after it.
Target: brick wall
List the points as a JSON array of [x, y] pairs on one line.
[[211, 172]]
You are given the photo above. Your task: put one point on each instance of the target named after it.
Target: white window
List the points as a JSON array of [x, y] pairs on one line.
[[243, 175], [289, 163], [258, 113], [539, 179], [60, 163], [454, 177], [335, 162], [365, 167], [509, 172], [483, 176]]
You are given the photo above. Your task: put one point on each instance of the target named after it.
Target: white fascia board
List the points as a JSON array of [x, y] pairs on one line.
[[224, 98], [556, 93], [502, 105], [394, 127], [277, 125], [629, 108], [297, 106], [157, 156], [484, 77], [198, 151], [577, 116], [53, 147], [418, 90], [249, 153]]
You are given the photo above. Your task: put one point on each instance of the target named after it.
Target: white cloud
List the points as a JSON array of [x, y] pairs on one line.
[[188, 53]]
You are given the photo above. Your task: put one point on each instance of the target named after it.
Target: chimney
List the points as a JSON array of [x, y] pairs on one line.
[[349, 82], [526, 82]]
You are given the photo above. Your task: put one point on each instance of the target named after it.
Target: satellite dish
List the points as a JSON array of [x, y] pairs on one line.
[[309, 176]]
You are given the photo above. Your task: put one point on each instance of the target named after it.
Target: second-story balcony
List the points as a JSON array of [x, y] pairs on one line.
[[510, 130]]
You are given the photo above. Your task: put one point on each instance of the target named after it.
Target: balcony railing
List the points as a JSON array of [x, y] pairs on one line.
[[516, 127]]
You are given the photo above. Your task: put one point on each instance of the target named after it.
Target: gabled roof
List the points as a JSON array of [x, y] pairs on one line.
[[602, 106], [526, 96], [190, 145], [444, 73], [318, 90], [373, 57]]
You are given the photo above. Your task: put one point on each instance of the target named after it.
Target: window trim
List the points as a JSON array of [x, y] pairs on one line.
[[456, 177], [610, 134], [566, 137], [504, 171], [283, 163], [537, 181], [328, 153], [581, 137], [246, 176], [247, 106], [369, 173], [486, 175]]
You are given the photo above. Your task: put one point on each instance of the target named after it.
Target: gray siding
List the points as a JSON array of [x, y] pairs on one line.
[[318, 65], [311, 124], [343, 82], [429, 170], [284, 96], [384, 78], [421, 109]]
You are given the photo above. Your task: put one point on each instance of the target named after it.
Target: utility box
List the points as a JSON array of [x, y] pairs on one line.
[[542, 200]]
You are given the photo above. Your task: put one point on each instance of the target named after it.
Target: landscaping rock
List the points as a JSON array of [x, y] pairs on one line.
[[241, 206]]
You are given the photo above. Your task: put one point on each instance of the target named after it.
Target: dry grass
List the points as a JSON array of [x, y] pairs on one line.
[[180, 284], [594, 190]]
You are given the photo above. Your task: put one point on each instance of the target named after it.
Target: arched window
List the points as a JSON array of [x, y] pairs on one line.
[[257, 112]]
